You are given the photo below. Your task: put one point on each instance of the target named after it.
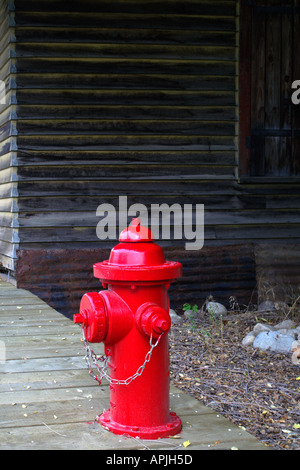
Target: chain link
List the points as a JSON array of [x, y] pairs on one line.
[[91, 358]]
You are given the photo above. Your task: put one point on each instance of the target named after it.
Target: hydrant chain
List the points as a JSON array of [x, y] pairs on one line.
[[91, 357]]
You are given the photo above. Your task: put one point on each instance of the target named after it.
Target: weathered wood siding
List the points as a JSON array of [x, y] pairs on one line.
[[8, 177], [133, 98]]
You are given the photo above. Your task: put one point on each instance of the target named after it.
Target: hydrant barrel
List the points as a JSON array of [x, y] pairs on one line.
[[134, 327]]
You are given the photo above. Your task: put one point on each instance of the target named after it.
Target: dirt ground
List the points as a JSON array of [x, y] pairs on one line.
[[259, 391]]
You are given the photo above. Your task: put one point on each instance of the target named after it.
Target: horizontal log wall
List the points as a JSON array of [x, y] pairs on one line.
[[121, 98]]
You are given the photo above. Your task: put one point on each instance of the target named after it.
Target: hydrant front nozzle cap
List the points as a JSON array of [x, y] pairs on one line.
[[78, 318], [136, 233]]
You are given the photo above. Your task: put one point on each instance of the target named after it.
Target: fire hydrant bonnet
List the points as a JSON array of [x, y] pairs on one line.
[[137, 258]]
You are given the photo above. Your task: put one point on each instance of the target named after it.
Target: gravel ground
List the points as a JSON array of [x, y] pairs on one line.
[[259, 391]]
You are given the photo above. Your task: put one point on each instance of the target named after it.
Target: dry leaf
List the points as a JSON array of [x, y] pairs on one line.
[[186, 443]]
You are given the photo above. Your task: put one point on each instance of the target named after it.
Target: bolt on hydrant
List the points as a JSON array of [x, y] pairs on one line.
[[131, 317]]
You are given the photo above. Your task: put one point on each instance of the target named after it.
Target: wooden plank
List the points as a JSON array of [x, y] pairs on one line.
[[137, 35], [49, 395], [7, 219], [37, 328], [41, 364], [148, 171], [90, 219], [150, 187], [28, 308], [127, 20], [57, 350], [74, 157], [94, 50], [124, 142], [250, 230], [259, 232], [61, 337], [119, 127], [5, 291], [41, 380], [135, 81], [125, 97], [21, 299], [209, 201], [7, 130], [67, 65], [5, 55], [32, 114], [26, 321], [224, 8], [68, 408], [9, 237], [8, 260]]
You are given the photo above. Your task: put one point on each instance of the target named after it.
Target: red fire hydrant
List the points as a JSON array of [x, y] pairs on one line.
[[132, 318]]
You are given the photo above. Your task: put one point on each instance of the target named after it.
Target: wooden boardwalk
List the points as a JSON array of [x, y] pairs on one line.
[[49, 401]]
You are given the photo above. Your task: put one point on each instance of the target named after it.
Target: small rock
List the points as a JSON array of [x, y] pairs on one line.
[[281, 307], [174, 317], [289, 331], [191, 315], [296, 356], [274, 341], [285, 324], [248, 340], [259, 327], [215, 308], [266, 306]]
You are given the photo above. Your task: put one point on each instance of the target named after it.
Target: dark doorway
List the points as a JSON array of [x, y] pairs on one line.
[[273, 140]]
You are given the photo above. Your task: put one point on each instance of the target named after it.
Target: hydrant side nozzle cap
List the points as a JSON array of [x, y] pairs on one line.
[[78, 318], [136, 232]]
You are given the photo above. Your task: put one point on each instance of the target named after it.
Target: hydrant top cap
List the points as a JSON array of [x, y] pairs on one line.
[[131, 261], [136, 233]]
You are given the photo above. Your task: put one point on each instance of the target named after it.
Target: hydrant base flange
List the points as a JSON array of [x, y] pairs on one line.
[[172, 427]]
